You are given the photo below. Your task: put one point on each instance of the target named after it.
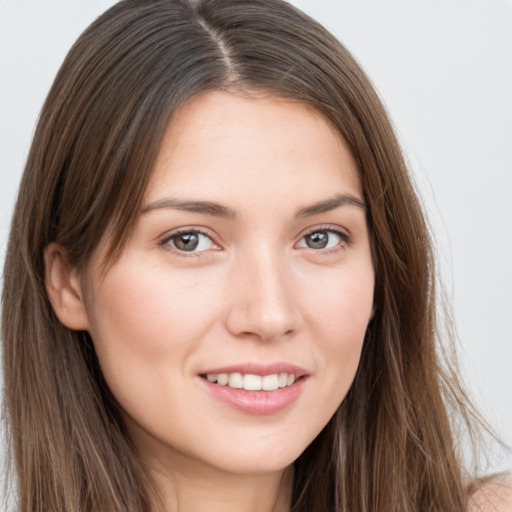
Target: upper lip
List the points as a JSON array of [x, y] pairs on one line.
[[261, 369]]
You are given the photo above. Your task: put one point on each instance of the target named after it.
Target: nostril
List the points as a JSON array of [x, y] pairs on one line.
[[266, 313]]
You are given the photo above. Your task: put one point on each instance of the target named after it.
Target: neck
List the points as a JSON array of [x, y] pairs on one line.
[[211, 490]]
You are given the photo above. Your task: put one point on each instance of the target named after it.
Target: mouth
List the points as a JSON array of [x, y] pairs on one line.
[[256, 389], [252, 382]]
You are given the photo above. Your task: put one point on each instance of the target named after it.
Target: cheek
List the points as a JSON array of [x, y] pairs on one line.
[[145, 325], [340, 305], [147, 311], [338, 318]]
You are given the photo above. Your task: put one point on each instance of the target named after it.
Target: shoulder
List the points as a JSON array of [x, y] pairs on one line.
[[494, 494]]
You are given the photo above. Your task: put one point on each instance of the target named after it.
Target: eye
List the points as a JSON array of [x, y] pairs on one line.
[[189, 241], [322, 239]]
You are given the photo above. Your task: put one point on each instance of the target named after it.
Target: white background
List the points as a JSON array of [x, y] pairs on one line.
[[444, 70]]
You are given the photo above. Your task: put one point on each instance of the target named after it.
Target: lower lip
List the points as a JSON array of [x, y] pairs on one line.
[[256, 402]]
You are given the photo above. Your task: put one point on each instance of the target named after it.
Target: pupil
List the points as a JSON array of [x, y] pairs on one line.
[[187, 241], [317, 240]]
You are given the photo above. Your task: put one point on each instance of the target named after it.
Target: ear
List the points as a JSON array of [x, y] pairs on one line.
[[64, 289]]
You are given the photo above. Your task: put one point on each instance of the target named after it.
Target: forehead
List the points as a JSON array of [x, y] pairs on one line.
[[237, 147]]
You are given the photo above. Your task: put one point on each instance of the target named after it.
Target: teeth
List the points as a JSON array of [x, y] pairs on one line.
[[252, 382], [270, 382], [222, 379], [236, 381]]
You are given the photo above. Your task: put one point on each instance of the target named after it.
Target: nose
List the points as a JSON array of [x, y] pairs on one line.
[[262, 304]]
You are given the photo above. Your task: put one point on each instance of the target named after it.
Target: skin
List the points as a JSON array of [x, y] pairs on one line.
[[254, 291], [495, 495]]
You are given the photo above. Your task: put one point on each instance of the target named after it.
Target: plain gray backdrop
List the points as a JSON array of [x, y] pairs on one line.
[[444, 70]]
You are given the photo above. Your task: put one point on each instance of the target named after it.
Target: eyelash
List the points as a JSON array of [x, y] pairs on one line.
[[345, 239], [164, 243]]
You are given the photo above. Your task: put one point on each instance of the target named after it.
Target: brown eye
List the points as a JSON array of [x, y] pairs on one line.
[[321, 239], [190, 241]]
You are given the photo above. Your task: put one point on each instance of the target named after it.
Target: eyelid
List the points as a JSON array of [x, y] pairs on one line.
[[344, 234], [345, 239], [165, 239]]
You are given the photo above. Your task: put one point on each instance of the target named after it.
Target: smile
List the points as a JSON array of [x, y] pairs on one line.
[[256, 389], [251, 382]]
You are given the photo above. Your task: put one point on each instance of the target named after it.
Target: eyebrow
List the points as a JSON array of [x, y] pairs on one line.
[[195, 206], [330, 204], [219, 210]]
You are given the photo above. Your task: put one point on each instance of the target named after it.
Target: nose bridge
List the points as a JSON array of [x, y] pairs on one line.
[[262, 301]]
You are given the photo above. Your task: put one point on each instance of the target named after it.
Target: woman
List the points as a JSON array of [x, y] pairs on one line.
[[219, 288]]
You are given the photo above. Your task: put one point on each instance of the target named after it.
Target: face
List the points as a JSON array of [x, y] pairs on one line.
[[231, 328]]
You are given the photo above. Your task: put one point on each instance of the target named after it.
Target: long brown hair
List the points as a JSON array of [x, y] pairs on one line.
[[390, 446]]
